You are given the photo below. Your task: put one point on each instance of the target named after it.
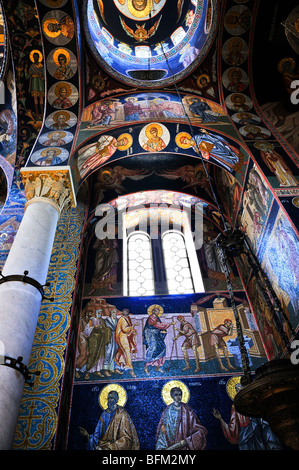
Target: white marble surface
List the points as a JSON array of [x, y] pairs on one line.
[[20, 304]]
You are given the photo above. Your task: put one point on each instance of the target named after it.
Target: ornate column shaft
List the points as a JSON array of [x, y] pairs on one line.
[[47, 194]]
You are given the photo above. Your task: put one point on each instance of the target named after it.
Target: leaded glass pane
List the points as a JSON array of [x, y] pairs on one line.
[[178, 274], [140, 269]]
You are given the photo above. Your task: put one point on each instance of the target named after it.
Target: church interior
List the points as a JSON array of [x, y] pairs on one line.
[[149, 215]]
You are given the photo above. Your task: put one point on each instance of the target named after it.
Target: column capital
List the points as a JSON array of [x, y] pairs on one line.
[[53, 186]]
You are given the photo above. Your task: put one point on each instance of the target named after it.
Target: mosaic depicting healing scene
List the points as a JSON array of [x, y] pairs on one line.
[[139, 339]]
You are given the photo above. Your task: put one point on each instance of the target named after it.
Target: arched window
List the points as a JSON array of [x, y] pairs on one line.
[[140, 265], [162, 261], [176, 263]]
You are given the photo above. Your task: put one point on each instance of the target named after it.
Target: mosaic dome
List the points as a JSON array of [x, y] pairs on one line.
[[150, 42]]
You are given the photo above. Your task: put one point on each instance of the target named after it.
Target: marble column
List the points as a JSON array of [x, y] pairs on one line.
[[20, 302]]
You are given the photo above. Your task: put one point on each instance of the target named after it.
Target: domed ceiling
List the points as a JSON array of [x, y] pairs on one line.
[[149, 43]]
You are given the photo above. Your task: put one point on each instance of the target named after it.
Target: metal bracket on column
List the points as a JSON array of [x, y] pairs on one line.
[[18, 365], [28, 280]]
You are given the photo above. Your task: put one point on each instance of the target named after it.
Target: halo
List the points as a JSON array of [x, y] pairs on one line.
[[247, 128], [55, 149], [234, 41], [150, 127], [236, 96], [57, 53], [54, 3], [289, 60], [174, 383], [126, 146], [295, 201], [262, 145], [150, 309], [140, 14], [234, 70], [58, 113], [51, 34], [107, 172], [98, 77], [103, 396], [203, 75], [231, 386], [36, 51], [132, 98], [63, 85], [61, 133], [179, 137]]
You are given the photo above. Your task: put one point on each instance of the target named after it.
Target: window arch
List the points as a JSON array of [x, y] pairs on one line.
[[140, 265], [162, 262], [176, 263]]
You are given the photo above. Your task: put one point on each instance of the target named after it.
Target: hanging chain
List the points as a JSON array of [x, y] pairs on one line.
[[239, 241], [243, 351], [195, 142]]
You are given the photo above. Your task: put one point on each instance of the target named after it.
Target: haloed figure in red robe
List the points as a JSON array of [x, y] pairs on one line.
[[179, 427]]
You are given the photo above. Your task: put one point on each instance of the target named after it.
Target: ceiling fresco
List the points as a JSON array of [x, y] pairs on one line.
[[150, 42], [128, 142], [279, 59], [162, 140]]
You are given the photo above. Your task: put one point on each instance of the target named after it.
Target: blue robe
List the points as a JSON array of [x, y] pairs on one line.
[[153, 339]]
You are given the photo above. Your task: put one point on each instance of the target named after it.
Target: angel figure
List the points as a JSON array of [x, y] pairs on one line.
[[193, 176], [112, 178], [140, 34]]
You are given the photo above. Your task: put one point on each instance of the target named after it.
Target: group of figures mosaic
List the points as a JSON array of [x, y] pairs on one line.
[[115, 343], [62, 66], [178, 425], [156, 137]]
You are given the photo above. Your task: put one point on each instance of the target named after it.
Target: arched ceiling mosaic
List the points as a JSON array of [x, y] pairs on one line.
[[150, 43]]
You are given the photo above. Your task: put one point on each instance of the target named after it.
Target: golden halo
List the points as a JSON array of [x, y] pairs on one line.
[[235, 41], [234, 70], [203, 75], [103, 396], [179, 137], [231, 386], [129, 139], [174, 383], [61, 134], [140, 14], [51, 34], [61, 51], [36, 51], [54, 3], [262, 145], [100, 79], [295, 201], [55, 149], [63, 85], [150, 309], [288, 60], [248, 128], [153, 126], [132, 98], [235, 96], [64, 113], [105, 172]]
